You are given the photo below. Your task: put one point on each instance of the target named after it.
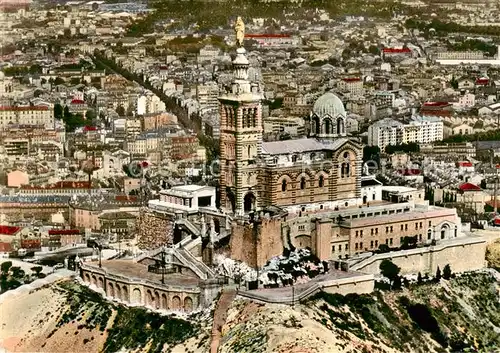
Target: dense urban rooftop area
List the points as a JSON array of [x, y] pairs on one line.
[[167, 151]]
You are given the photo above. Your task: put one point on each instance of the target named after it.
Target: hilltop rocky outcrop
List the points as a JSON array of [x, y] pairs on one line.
[[459, 314]]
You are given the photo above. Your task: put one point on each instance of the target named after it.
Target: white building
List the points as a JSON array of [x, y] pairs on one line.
[[468, 100], [185, 198], [421, 129], [29, 115], [148, 104], [207, 96], [352, 85], [209, 53]]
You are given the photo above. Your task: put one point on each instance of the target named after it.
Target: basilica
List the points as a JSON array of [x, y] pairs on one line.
[[310, 192], [322, 170]]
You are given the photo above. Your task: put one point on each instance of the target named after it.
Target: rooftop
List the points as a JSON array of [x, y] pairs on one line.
[[400, 217], [9, 230], [301, 145], [469, 187]]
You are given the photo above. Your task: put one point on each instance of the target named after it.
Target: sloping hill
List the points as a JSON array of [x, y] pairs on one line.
[[451, 316], [67, 317], [447, 317]]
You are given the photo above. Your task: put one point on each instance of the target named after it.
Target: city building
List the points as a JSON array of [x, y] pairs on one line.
[[421, 130], [26, 115]]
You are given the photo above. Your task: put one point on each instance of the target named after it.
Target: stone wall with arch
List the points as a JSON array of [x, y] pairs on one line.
[[136, 292]]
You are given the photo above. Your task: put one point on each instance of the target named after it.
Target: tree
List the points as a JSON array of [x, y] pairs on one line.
[[396, 284], [446, 272], [17, 272], [58, 111], [90, 115], [438, 274], [5, 267], [58, 81], [419, 278], [120, 110], [390, 270], [67, 114], [37, 270], [373, 49]]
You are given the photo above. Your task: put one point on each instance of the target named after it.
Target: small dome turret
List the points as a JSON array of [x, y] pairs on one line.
[[329, 104]]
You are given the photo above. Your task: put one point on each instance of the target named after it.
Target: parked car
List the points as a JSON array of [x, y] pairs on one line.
[[58, 266]]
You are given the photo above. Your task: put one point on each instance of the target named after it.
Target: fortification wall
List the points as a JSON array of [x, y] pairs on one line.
[[256, 242], [461, 254]]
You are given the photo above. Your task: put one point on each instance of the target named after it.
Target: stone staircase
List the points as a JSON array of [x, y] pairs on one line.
[[220, 316], [197, 266], [193, 229]]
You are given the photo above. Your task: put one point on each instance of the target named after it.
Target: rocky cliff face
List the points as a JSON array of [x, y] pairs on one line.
[[67, 317], [450, 316]]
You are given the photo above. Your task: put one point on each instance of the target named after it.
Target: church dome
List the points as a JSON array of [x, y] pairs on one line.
[[329, 104]]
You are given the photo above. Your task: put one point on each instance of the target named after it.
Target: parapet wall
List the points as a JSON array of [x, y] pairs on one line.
[[465, 254]]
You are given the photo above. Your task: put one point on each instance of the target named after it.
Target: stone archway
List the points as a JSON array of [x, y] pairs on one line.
[[100, 283], [87, 278], [188, 304], [136, 296], [365, 199], [125, 297], [445, 230], [94, 280], [316, 125], [157, 300], [111, 290], [150, 299], [302, 241], [176, 303], [340, 126], [118, 292], [164, 303], [327, 126], [249, 202]]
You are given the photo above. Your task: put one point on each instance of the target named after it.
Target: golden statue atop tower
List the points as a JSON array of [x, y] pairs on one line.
[[239, 29]]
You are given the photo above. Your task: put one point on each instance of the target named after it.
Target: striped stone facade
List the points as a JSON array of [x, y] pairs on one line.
[[321, 181], [240, 145], [249, 178]]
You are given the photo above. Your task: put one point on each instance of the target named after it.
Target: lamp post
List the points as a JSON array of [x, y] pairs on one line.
[[162, 265], [99, 247]]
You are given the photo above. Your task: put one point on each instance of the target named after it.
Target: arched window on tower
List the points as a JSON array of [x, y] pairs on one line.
[[243, 118], [345, 170], [328, 126], [283, 185], [249, 151], [321, 181], [254, 117], [302, 183], [346, 166], [340, 126], [248, 117]]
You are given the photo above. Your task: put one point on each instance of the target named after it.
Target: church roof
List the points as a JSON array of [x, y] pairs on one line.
[[329, 104], [301, 145]]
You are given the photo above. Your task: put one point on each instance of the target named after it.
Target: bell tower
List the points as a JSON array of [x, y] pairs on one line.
[[240, 138]]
